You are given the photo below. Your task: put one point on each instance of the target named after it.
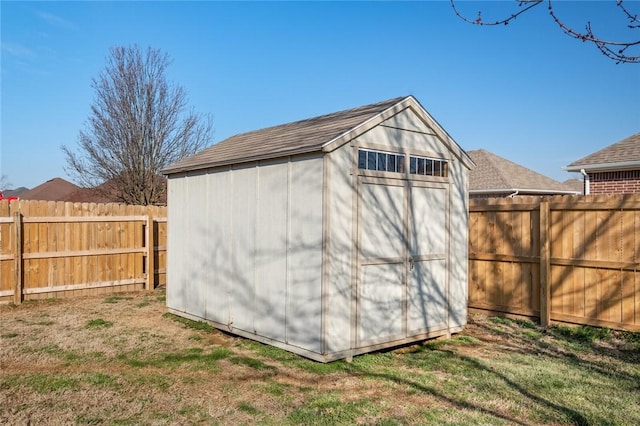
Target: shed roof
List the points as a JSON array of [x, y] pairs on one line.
[[322, 133], [624, 154], [497, 174]]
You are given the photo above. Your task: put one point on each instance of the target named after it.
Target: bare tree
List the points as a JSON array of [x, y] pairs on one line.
[[138, 125], [614, 49], [4, 182]]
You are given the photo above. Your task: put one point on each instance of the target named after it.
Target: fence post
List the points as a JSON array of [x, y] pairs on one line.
[[545, 264], [17, 252], [151, 244]]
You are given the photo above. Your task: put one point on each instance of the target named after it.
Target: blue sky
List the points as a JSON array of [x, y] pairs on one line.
[[523, 91]]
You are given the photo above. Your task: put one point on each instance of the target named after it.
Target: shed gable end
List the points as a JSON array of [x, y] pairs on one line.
[[408, 120]]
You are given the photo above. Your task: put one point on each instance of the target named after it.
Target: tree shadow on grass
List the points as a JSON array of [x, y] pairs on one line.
[[474, 376], [576, 345], [472, 363]]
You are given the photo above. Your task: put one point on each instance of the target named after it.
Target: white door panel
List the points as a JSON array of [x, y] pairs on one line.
[[403, 242], [381, 296], [428, 208], [426, 293], [381, 221]]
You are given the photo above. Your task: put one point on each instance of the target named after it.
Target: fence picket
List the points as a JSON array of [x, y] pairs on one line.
[[77, 249], [587, 269]]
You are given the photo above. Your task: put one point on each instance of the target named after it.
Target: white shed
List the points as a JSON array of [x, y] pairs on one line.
[[328, 237]]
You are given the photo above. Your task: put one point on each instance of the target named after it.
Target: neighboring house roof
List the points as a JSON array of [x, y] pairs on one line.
[[623, 155], [323, 133], [56, 189], [494, 174], [108, 192], [574, 185], [15, 192], [89, 195]]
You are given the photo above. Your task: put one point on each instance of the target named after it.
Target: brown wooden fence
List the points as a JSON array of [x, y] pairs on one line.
[[57, 249], [568, 259]]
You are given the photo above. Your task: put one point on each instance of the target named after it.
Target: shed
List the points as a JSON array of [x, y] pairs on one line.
[[328, 237]]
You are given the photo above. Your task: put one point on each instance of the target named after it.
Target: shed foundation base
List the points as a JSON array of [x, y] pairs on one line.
[[316, 356]]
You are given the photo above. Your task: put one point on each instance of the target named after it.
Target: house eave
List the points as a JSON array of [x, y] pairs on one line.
[[523, 191], [604, 167]]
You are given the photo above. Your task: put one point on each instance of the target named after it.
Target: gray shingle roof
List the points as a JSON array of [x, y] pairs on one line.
[[574, 184], [625, 151], [494, 173], [287, 139]]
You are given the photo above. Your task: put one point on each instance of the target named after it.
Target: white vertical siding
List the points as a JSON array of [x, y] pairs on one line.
[[242, 269], [218, 249], [176, 228], [459, 256], [304, 294], [186, 231], [338, 307], [196, 247], [246, 248], [271, 250]]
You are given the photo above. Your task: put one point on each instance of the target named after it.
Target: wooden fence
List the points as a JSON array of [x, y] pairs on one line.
[[57, 249], [567, 259]]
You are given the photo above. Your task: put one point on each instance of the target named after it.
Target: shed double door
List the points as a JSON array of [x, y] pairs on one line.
[[402, 259]]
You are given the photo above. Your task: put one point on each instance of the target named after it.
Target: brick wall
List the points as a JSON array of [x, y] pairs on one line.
[[623, 182]]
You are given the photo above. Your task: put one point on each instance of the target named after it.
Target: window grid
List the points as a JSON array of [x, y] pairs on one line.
[[428, 166], [380, 161], [369, 159]]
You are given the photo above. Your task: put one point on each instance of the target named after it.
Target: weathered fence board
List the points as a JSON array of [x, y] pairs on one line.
[[71, 249], [569, 259]]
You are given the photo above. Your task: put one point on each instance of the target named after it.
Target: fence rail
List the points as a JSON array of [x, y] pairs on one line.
[[568, 259], [58, 249]]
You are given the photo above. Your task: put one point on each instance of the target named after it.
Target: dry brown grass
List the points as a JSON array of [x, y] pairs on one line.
[[58, 370], [120, 360]]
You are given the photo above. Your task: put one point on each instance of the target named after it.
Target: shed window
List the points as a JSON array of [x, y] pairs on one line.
[[428, 166], [380, 161]]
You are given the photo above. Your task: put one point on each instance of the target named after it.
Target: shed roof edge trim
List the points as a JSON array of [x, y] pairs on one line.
[[365, 126], [256, 158]]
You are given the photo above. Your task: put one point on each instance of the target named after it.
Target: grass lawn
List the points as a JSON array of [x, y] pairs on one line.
[[121, 360]]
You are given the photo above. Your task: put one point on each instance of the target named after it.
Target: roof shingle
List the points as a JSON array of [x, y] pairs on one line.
[[493, 172], [286, 139], [624, 151]]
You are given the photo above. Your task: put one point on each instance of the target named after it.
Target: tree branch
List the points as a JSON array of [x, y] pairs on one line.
[[613, 49], [479, 21], [138, 125]]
